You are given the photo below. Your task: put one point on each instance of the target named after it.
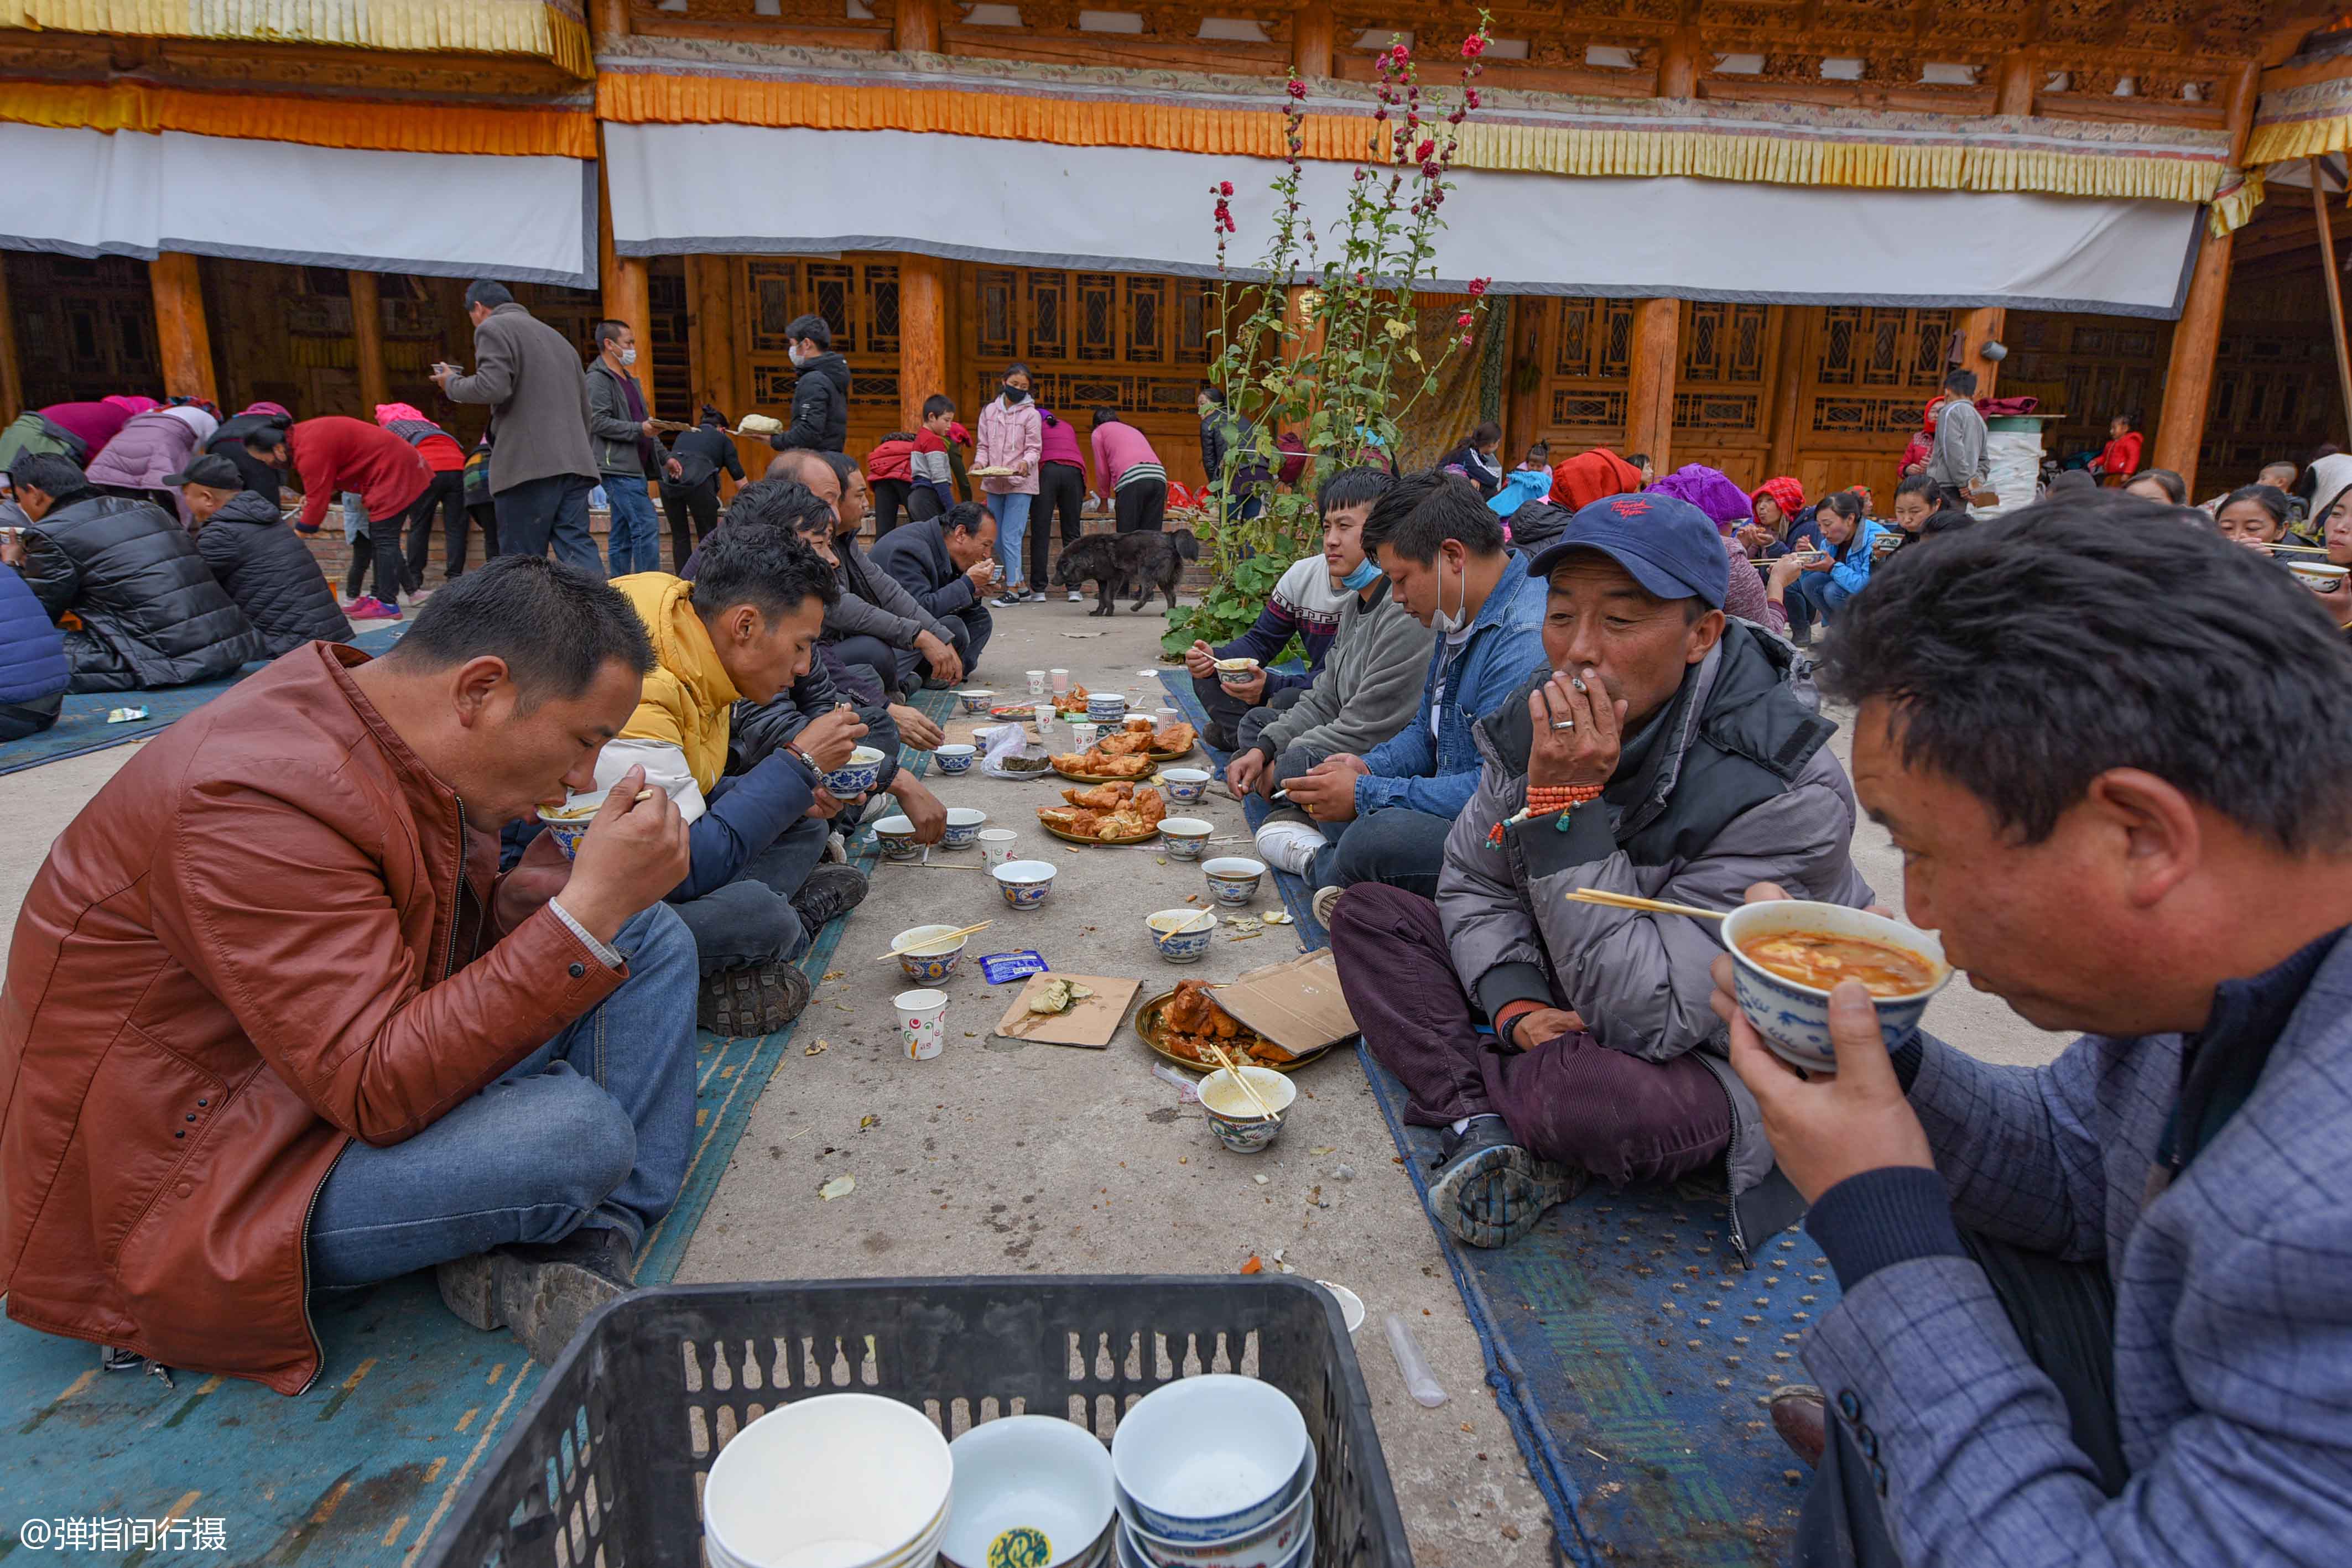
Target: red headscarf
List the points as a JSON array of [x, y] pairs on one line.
[[1784, 492], [1589, 475]]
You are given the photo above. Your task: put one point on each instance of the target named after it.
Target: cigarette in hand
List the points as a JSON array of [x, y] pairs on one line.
[[645, 795]]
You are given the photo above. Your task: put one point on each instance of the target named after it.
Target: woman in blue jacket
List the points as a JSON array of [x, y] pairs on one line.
[[1823, 586], [33, 669]]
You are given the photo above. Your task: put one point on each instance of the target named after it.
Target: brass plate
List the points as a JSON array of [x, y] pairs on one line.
[[1147, 1024]]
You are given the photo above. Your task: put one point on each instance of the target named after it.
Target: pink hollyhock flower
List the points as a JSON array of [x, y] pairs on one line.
[[1474, 46]]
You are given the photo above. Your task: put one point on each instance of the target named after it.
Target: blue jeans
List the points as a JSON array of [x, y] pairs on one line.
[[1813, 596], [1012, 514], [1397, 845], [555, 509], [751, 919], [594, 1128], [635, 543]]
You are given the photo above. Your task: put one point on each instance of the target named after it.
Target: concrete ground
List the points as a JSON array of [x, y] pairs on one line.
[[1000, 1157]]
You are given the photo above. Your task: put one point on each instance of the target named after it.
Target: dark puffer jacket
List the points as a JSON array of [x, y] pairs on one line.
[[269, 573], [228, 442], [820, 407], [152, 613], [32, 650]]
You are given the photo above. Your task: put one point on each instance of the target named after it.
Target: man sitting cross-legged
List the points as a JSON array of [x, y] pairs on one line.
[[755, 895], [269, 1026], [1661, 754], [2097, 1311]]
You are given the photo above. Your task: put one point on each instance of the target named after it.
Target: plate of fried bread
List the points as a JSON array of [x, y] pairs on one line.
[[1112, 813], [1125, 754], [1182, 1025]]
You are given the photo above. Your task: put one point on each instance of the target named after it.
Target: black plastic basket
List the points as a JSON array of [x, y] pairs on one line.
[[605, 1467]]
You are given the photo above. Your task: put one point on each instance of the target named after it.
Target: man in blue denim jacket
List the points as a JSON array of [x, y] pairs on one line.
[[1384, 815]]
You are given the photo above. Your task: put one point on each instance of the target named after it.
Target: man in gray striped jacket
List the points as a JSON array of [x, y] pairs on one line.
[[2097, 1311]]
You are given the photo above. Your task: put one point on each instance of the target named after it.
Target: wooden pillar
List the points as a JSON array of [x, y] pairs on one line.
[[2189, 374], [922, 334], [1793, 348], [2335, 288], [1979, 327], [611, 18], [710, 333], [367, 337], [11, 376], [628, 296], [1650, 388], [915, 28], [2019, 75], [1524, 417], [184, 342], [1678, 63], [1312, 31]]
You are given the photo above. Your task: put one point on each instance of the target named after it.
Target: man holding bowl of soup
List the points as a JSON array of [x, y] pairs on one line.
[[1659, 752], [2099, 1311]]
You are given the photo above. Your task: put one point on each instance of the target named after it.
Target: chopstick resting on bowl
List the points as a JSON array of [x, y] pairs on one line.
[[1653, 905], [932, 941], [1234, 1074]]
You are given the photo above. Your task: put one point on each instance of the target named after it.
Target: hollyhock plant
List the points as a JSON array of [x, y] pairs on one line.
[[1326, 345]]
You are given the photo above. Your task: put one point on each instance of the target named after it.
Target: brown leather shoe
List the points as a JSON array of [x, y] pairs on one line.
[[1800, 1415]]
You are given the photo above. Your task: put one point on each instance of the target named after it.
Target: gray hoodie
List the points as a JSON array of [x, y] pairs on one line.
[[1732, 784], [1368, 688]]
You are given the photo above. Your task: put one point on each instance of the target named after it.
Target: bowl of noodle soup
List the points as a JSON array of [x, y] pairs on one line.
[[1787, 954]]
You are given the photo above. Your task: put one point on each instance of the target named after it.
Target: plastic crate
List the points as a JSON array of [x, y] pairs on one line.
[[605, 1467]]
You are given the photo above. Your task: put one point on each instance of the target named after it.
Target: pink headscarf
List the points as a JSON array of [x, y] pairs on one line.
[[385, 412], [132, 403], [1709, 490], [273, 410]]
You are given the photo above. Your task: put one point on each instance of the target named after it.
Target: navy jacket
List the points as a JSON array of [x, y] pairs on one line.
[[32, 650]]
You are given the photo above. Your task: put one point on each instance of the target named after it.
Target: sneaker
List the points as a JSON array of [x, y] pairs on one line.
[[544, 1292], [1326, 900], [1488, 1191], [1036, 596], [751, 1001], [1803, 636], [1077, 598], [370, 607], [837, 850], [1007, 600], [830, 890], [1288, 844]]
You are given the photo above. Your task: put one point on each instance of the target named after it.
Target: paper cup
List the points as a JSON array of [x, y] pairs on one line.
[[1082, 733], [1044, 715], [1036, 683], [1061, 681], [996, 845], [922, 1023]]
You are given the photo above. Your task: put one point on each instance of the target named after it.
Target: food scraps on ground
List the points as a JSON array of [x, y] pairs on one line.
[[839, 1186], [1058, 997], [819, 1049], [1253, 1266]]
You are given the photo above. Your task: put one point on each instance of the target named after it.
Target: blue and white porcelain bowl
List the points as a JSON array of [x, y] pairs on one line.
[[955, 756], [1287, 1541], [859, 775], [964, 823], [976, 699], [1181, 934], [1025, 883], [1186, 838], [1233, 879], [1185, 785], [1793, 1017], [1208, 1459], [1106, 709], [1235, 1118], [928, 963], [897, 837], [568, 824]]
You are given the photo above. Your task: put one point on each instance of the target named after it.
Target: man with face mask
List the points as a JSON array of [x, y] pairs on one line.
[[1384, 814], [1658, 751], [820, 395], [625, 450]]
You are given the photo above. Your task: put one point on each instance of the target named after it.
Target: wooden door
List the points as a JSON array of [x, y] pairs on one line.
[[1868, 373]]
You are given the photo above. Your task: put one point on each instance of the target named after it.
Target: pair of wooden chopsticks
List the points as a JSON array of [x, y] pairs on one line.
[[1653, 905], [932, 941], [1234, 1072]]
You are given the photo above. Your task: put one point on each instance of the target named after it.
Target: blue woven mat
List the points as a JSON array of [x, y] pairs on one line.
[[1630, 1352], [364, 1467], [81, 721]]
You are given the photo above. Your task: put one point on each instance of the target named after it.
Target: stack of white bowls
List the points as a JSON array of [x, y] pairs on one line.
[[840, 1481], [1031, 1492], [1214, 1471]]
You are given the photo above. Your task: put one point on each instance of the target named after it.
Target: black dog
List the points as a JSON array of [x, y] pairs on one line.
[[1140, 561]]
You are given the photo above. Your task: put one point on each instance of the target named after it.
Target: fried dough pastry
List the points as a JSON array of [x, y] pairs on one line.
[[1178, 737], [1101, 796], [1070, 820], [1126, 743]]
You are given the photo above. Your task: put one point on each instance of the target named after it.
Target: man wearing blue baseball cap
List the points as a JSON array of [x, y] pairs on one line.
[[1660, 753]]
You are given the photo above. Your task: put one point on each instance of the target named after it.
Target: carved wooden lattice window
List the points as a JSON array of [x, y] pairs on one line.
[[859, 301], [881, 334], [996, 295], [1875, 367], [1047, 335], [1147, 310], [1196, 306], [1097, 297], [1592, 341]]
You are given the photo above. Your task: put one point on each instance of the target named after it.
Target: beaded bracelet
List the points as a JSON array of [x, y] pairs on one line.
[[1543, 799]]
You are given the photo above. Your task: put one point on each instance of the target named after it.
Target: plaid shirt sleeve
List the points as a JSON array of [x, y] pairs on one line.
[[2015, 1144]]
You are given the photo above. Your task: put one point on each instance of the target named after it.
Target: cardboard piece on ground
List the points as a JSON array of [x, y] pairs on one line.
[[1090, 1022], [1297, 1004]]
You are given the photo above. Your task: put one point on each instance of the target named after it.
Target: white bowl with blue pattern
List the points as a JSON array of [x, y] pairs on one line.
[[1025, 883], [1181, 934], [1794, 1018], [964, 823], [1208, 1459], [856, 776], [954, 758]]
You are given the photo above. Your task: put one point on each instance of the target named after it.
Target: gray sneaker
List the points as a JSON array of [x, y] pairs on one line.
[[543, 1291], [754, 1000], [1488, 1191]]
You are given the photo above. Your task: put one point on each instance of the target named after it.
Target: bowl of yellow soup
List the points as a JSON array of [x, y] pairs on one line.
[[1786, 955]]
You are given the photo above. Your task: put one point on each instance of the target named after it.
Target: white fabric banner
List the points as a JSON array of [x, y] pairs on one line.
[[1140, 209], [87, 192]]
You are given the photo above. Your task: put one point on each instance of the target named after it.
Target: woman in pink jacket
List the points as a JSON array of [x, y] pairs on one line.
[[1011, 436]]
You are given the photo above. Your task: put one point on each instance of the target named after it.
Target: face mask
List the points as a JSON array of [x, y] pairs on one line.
[[795, 356], [628, 356], [1362, 577], [1015, 395], [1445, 625]]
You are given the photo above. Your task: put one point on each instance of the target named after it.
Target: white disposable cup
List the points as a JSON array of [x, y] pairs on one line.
[[1166, 715], [996, 845], [1061, 681], [922, 1023], [1044, 717], [1036, 683], [1082, 733]]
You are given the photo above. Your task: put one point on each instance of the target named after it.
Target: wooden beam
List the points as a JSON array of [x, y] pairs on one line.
[[184, 343], [2014, 83], [1979, 327], [917, 27], [1792, 342], [367, 339], [12, 375], [2335, 288], [1650, 390], [1678, 63], [922, 335], [2189, 373], [1312, 32]]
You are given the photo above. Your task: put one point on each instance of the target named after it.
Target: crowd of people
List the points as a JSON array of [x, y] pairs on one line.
[[2091, 1310]]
